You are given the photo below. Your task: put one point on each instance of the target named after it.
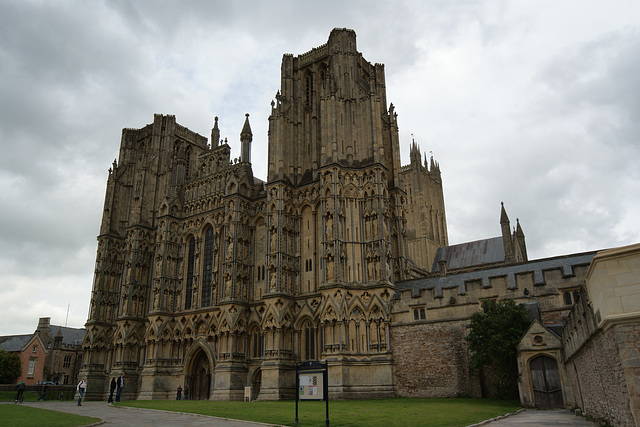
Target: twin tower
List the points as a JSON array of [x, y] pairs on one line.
[[209, 277]]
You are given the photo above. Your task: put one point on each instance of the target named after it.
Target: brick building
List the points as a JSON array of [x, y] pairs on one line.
[[51, 353]]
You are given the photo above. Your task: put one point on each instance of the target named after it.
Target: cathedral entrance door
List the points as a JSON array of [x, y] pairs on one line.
[[545, 380], [256, 381], [200, 377]]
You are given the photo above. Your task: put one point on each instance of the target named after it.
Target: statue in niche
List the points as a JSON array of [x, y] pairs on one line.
[[375, 225], [274, 240], [370, 268], [227, 287], [329, 268], [329, 227], [272, 280], [156, 297], [108, 316], [125, 304], [377, 267], [140, 307], [230, 250]]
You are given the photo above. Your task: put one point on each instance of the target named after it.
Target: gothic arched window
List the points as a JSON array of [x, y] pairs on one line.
[[207, 273], [309, 350], [309, 89], [187, 158], [190, 265]]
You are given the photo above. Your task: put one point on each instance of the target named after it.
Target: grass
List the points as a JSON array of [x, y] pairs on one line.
[[32, 396], [28, 396], [405, 412], [21, 416]]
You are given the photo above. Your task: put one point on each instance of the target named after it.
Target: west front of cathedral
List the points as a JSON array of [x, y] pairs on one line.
[[209, 277]]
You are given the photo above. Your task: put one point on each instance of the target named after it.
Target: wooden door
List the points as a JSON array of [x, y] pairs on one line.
[[545, 380]]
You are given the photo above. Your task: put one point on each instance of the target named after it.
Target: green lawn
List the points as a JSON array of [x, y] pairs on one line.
[[21, 416], [404, 412], [29, 396]]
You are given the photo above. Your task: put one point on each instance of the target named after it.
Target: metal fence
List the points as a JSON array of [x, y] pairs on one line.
[[32, 392]]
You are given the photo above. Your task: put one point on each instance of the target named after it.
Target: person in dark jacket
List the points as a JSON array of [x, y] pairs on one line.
[[44, 393], [112, 389], [20, 391], [120, 386]]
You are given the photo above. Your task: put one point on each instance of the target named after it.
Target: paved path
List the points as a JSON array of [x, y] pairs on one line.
[[539, 418], [123, 416]]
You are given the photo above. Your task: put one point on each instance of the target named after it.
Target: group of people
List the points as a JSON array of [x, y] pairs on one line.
[[116, 385], [179, 392]]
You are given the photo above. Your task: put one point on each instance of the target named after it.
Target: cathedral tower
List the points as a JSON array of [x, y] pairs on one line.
[[210, 277]]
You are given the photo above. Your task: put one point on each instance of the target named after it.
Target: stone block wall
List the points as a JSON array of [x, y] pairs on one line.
[[601, 339], [598, 379], [432, 360]]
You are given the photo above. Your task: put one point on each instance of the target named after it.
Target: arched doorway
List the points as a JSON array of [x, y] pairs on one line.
[[256, 382], [545, 380], [199, 377]]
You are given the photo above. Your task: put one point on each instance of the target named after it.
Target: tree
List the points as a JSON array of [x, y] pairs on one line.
[[10, 367], [494, 334]]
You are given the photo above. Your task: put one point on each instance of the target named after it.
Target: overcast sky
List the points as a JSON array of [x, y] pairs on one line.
[[534, 103]]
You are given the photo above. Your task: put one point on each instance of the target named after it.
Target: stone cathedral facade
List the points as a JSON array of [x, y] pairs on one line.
[[210, 277]]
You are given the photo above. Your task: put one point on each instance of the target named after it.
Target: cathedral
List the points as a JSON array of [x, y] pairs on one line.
[[210, 278]]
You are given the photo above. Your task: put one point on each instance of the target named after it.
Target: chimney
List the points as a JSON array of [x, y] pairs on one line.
[[43, 323]]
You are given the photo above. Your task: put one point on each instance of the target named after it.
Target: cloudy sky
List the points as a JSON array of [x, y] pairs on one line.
[[534, 103]]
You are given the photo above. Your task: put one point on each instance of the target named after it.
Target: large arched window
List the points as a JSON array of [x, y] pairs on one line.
[[187, 165], [190, 264], [309, 89], [207, 272], [309, 336]]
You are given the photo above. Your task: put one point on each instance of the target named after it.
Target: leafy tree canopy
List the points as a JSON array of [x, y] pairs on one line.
[[10, 367], [494, 334]]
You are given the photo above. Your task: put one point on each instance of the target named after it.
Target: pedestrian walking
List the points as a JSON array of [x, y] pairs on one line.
[[179, 393], [112, 389], [80, 388]]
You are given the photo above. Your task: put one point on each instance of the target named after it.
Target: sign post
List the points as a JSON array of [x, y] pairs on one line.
[[312, 383]]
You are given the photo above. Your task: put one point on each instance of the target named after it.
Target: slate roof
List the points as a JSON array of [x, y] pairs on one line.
[[565, 263], [14, 342], [486, 251], [70, 336]]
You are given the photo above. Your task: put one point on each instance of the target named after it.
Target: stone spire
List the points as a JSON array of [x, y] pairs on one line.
[[215, 133], [246, 136], [507, 241]]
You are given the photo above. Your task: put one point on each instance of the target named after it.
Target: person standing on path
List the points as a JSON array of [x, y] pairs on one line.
[[81, 387], [112, 389], [186, 392], [120, 386], [179, 393]]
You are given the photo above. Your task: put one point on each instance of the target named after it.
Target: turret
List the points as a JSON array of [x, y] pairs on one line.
[[519, 240], [246, 136], [505, 225], [215, 133]]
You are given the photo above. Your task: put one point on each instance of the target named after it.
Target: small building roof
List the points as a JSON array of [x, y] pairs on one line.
[[14, 342]]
